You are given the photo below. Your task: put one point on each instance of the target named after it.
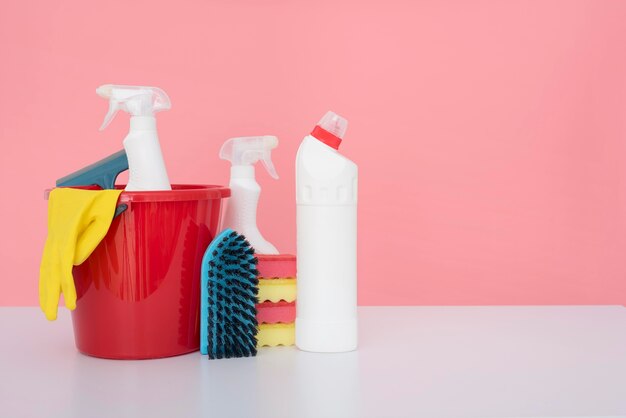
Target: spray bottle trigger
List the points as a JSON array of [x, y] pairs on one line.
[[113, 108], [269, 165]]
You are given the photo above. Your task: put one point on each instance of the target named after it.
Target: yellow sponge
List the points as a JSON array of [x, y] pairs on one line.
[[275, 290], [272, 335]]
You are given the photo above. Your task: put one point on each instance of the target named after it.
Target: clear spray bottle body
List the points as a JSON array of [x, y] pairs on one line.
[[326, 217]]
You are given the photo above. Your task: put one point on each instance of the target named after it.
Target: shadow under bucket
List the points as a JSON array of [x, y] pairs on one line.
[[138, 294]]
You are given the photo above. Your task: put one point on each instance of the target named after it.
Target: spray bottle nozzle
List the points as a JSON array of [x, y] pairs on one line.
[[248, 150], [136, 100]]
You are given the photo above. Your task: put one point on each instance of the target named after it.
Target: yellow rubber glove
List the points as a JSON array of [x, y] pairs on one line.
[[77, 221]]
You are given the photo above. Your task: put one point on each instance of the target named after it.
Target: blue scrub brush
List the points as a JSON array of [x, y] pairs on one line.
[[228, 324]]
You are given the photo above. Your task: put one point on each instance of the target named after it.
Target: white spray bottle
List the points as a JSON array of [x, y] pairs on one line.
[[326, 198], [241, 208], [146, 168]]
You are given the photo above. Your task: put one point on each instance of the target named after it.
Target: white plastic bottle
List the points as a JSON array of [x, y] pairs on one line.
[[326, 197], [241, 208], [146, 168]]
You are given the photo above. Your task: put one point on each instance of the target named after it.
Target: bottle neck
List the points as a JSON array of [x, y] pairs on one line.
[[144, 123], [242, 172]]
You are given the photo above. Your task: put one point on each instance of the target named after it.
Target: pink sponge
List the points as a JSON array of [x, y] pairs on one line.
[[276, 266], [272, 313]]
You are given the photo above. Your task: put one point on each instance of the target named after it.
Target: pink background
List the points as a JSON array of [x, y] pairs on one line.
[[490, 135]]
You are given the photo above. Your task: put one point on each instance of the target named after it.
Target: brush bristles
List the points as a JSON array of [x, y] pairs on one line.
[[232, 289]]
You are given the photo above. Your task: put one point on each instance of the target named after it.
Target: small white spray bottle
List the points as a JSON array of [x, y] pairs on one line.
[[146, 168], [240, 216], [326, 210]]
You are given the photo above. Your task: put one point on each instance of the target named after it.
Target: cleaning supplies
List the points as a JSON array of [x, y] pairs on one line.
[[326, 197], [101, 174], [277, 277], [146, 166], [138, 293], [272, 335], [77, 221], [276, 281], [277, 289], [228, 324], [276, 311], [241, 211]]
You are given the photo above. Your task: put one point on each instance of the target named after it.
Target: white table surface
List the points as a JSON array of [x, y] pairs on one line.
[[411, 362]]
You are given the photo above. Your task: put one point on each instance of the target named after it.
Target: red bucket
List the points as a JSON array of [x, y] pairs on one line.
[[139, 291]]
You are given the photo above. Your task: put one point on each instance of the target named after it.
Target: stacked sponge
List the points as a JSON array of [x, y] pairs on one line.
[[276, 310]]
